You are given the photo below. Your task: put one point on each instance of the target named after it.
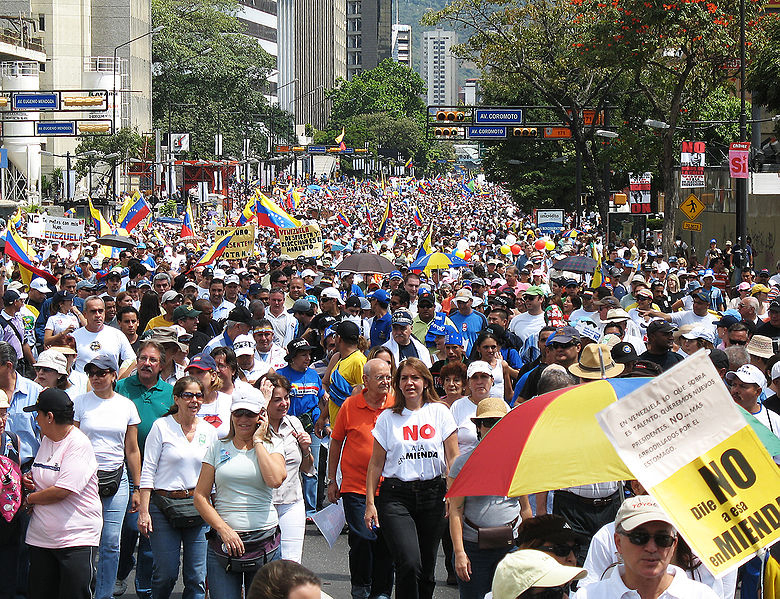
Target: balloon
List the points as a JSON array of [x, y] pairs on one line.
[[516, 249], [550, 245], [467, 255], [460, 254], [463, 244], [540, 244], [505, 249], [510, 239]]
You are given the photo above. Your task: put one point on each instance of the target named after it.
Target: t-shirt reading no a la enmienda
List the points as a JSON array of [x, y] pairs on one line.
[[414, 441]]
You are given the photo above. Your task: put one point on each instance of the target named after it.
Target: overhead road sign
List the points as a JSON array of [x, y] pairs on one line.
[[476, 132], [71, 100], [35, 101], [556, 133], [498, 116], [316, 149], [55, 128]]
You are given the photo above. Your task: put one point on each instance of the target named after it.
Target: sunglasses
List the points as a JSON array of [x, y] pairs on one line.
[[560, 549], [190, 395], [43, 369], [244, 414], [489, 422], [556, 345], [548, 593], [641, 538], [99, 373], [737, 342]]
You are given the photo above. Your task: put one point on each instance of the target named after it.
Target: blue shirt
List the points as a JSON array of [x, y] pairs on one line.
[[306, 391], [381, 329], [469, 326], [23, 423]]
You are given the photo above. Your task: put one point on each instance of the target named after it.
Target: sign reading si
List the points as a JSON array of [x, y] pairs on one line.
[[498, 116], [301, 241], [549, 221], [241, 245], [639, 188], [739, 153], [498, 132], [692, 207], [687, 442]]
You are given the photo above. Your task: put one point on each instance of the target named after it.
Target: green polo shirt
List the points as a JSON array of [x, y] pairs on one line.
[[151, 403]]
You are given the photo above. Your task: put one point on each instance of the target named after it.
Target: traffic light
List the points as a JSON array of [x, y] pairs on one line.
[[525, 132], [447, 132], [450, 116]]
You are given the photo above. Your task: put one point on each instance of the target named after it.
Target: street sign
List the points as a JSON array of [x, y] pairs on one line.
[[556, 133], [282, 149], [498, 132], [316, 149], [180, 142], [3, 158], [498, 116], [689, 226], [53, 128], [692, 207], [36, 101], [739, 154], [348, 151]]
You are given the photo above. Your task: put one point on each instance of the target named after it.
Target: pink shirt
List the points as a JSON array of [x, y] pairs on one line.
[[77, 520]]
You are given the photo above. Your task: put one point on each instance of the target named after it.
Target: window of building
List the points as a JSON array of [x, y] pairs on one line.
[[42, 22]]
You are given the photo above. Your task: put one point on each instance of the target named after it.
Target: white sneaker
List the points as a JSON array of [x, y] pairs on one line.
[[120, 586]]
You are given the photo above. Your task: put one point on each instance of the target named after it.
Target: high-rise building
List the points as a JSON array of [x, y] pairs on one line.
[[368, 34], [439, 67], [312, 56], [402, 44], [261, 23]]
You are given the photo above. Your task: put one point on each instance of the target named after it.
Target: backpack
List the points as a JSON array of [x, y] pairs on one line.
[[10, 479]]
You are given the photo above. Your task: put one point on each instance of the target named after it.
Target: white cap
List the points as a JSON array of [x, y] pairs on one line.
[[39, 284], [639, 510], [53, 359], [244, 345], [701, 333], [308, 273], [331, 293], [232, 279], [747, 373], [776, 371], [528, 568], [219, 274], [246, 397], [169, 296], [479, 366]]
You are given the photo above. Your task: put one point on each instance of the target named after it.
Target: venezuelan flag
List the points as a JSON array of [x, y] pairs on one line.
[[408, 164], [98, 221], [17, 217], [134, 210], [417, 216], [427, 244], [248, 213], [17, 250], [599, 276], [216, 250], [270, 214], [368, 218], [186, 225], [382, 230], [343, 219]]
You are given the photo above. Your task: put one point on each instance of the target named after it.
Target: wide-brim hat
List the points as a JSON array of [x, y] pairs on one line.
[[596, 362], [490, 407]]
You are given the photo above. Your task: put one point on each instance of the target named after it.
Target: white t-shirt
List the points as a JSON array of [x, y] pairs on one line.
[[217, 413], [690, 317], [771, 420], [77, 520], [106, 341], [526, 325], [59, 322], [612, 586], [171, 462], [414, 441], [105, 422], [463, 410]]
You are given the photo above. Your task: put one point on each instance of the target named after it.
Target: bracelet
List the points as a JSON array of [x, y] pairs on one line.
[[330, 482], [307, 455], [135, 488]]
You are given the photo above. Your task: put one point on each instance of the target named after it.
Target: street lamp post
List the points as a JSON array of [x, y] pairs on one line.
[[157, 29], [742, 188]]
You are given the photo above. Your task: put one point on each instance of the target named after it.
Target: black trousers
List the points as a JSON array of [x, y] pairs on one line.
[[411, 515], [67, 573], [584, 517]]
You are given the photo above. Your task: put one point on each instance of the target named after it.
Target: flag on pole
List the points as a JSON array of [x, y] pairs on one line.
[[343, 219], [382, 230], [216, 250], [427, 244], [248, 213], [340, 137], [17, 217], [270, 214], [417, 216], [17, 250], [368, 218], [134, 210], [187, 229], [408, 164], [599, 276], [98, 220]]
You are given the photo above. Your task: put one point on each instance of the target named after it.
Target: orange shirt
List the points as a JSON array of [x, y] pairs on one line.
[[354, 424]]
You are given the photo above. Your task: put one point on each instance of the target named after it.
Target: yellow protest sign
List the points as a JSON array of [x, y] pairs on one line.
[[301, 241], [687, 443], [241, 245]]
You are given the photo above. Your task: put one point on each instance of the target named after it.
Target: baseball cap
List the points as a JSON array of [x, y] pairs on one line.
[[747, 373], [244, 345], [702, 296], [167, 335], [700, 333], [660, 326], [53, 359], [713, 240], [402, 318], [396, 274], [51, 399], [727, 320], [464, 295], [184, 312], [296, 345], [104, 362], [255, 288], [534, 290], [719, 358], [331, 293], [202, 362], [62, 296], [353, 301], [743, 286], [609, 301], [246, 397], [552, 528], [39, 284], [639, 510], [365, 304], [564, 335], [347, 330], [170, 296], [644, 293], [243, 315], [638, 279], [624, 352], [453, 338], [478, 366], [84, 284], [381, 296], [528, 568], [10, 296], [301, 305], [232, 279]]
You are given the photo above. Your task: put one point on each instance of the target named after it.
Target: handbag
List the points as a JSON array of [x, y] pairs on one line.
[[108, 481], [23, 366], [180, 513], [257, 546], [494, 537]]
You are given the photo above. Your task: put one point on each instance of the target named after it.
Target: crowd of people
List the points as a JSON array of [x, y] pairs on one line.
[[163, 412]]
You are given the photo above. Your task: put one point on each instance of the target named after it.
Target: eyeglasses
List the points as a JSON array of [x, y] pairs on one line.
[[98, 373], [44, 369], [641, 538], [190, 395], [560, 549], [244, 414]]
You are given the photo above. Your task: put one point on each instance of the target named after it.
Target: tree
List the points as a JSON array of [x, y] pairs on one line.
[[764, 70], [208, 76]]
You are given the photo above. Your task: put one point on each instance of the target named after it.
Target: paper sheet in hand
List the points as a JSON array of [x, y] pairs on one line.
[[330, 521]]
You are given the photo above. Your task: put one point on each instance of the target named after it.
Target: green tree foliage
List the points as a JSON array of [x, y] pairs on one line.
[[208, 75], [764, 70]]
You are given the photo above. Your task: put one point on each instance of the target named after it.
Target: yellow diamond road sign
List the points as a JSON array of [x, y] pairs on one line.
[[692, 207]]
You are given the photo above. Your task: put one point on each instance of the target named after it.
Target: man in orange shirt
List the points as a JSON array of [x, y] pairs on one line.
[[370, 564]]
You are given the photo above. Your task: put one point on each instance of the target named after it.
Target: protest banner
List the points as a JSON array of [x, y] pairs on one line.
[[692, 162], [57, 228], [686, 441], [639, 188], [301, 241], [241, 245]]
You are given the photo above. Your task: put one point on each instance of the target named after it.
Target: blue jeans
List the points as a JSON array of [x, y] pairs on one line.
[[143, 567], [167, 542], [370, 564], [483, 566], [230, 585], [309, 483], [114, 509]]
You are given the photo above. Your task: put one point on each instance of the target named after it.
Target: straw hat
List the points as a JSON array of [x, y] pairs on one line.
[[490, 407], [760, 346], [596, 362]]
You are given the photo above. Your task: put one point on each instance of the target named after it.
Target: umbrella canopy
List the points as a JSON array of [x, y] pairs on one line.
[[572, 233], [582, 264], [437, 260], [365, 264], [554, 441], [117, 241]]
